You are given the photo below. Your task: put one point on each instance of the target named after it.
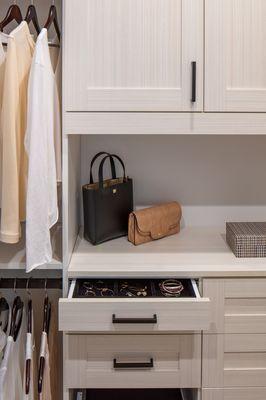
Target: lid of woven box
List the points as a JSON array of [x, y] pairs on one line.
[[255, 231]]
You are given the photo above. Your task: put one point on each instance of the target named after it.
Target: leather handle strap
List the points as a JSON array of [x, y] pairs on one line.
[[102, 164], [112, 164]]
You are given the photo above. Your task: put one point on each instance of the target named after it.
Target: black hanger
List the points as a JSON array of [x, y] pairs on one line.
[[29, 330], [46, 326], [53, 19], [16, 317], [13, 14], [32, 16], [4, 306]]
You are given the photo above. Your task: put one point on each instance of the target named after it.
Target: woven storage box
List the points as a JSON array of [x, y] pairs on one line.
[[247, 239]]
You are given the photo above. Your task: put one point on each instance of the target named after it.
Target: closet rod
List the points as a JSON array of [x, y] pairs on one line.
[[49, 44], [31, 283]]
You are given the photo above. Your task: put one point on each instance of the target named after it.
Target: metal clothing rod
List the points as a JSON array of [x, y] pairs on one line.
[[30, 283]]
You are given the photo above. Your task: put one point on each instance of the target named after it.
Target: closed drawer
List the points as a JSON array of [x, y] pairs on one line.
[[234, 394], [136, 315], [138, 361], [237, 305], [234, 360]]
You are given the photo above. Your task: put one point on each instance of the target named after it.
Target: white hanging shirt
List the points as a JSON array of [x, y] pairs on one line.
[[12, 366], [43, 132]]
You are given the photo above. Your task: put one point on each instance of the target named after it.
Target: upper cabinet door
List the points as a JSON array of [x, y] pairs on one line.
[[133, 55], [235, 55]]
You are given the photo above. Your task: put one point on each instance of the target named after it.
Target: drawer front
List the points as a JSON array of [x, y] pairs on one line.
[[237, 305], [134, 315], [138, 361], [233, 360], [234, 394]]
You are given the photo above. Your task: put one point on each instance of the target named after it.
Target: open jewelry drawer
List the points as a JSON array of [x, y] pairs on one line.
[[151, 313]]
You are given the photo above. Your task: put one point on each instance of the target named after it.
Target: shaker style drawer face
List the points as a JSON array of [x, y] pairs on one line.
[[142, 311], [233, 360], [237, 305], [234, 394], [138, 361]]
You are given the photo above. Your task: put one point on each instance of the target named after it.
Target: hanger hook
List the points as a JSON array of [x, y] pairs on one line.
[[15, 285], [45, 287], [27, 287]]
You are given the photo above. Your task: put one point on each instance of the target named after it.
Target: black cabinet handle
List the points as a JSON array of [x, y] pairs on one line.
[[130, 365], [194, 81], [152, 320]]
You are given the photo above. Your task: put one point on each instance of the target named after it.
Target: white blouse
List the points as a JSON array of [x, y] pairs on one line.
[[42, 142]]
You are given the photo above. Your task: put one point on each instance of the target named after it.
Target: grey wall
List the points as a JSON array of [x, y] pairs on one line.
[[196, 170]]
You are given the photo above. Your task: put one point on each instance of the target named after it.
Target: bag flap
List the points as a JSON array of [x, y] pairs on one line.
[[158, 221]]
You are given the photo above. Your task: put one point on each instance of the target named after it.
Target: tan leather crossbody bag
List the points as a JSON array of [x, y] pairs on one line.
[[154, 223]]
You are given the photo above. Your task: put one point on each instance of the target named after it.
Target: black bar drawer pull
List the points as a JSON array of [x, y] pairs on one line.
[[194, 81], [152, 320], [130, 365]]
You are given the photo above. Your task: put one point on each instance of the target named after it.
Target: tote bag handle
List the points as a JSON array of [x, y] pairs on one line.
[[101, 168], [112, 164]]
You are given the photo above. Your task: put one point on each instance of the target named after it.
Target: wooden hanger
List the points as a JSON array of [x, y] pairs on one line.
[[29, 330], [32, 16], [13, 14], [46, 326], [53, 19]]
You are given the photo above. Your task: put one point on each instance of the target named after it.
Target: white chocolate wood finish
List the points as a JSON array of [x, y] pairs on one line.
[[95, 315], [237, 305], [235, 55], [133, 55], [71, 193], [195, 252], [164, 123], [89, 361], [240, 393], [234, 360]]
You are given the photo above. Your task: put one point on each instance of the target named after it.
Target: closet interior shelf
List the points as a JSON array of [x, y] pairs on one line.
[[195, 252]]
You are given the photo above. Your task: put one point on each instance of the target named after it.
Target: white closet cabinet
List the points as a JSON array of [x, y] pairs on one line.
[[133, 55], [235, 55]]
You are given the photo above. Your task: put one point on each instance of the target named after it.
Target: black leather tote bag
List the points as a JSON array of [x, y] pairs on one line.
[[107, 203]]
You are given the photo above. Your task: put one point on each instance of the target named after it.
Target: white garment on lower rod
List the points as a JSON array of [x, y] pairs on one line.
[[12, 366], [43, 131], [2, 342]]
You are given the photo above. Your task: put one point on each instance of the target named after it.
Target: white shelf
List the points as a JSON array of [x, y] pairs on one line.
[[12, 256], [156, 123], [195, 252]]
